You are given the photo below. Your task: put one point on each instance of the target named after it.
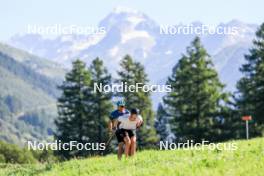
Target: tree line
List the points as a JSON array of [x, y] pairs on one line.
[[84, 113], [198, 107]]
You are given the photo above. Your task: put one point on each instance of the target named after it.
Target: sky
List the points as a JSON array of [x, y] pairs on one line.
[[15, 15]]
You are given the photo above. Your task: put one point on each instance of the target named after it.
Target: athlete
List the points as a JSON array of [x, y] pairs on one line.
[[128, 123], [120, 111]]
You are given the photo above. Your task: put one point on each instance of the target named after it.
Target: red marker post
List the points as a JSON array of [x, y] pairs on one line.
[[247, 118]]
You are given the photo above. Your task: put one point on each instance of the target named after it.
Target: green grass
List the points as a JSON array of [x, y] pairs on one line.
[[248, 159]]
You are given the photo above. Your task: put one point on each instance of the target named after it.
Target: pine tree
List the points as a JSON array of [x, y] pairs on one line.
[[72, 109], [197, 100], [250, 98], [133, 73], [83, 110], [100, 101]]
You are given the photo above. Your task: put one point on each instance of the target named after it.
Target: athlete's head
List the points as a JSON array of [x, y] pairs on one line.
[[134, 113], [121, 105]]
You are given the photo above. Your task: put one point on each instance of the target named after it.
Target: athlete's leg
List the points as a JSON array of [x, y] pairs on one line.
[[120, 138], [127, 143], [133, 146], [120, 150]]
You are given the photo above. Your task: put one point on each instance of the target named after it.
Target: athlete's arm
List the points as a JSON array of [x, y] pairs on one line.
[[115, 123], [110, 125], [140, 121]]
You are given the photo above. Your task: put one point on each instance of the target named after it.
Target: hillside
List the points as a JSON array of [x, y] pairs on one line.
[[40, 65], [27, 95], [248, 159]]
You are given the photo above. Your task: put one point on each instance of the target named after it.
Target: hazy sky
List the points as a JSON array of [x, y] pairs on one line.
[[15, 15]]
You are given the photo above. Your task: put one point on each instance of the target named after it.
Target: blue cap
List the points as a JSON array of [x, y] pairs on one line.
[[121, 103]]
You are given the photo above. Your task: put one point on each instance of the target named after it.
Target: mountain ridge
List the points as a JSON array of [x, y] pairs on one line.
[[133, 32]]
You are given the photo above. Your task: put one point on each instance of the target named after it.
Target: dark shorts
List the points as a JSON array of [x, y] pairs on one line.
[[121, 133]]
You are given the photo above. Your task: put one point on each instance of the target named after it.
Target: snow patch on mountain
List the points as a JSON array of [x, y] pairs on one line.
[[134, 34]]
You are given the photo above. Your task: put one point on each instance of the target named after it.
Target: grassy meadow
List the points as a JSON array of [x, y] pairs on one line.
[[248, 159]]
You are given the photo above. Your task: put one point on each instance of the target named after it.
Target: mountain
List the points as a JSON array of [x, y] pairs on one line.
[[27, 95], [132, 32]]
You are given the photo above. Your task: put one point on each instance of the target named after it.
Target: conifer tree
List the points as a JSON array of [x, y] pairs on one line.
[[72, 109], [250, 97], [100, 101], [133, 73], [197, 101], [83, 111]]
